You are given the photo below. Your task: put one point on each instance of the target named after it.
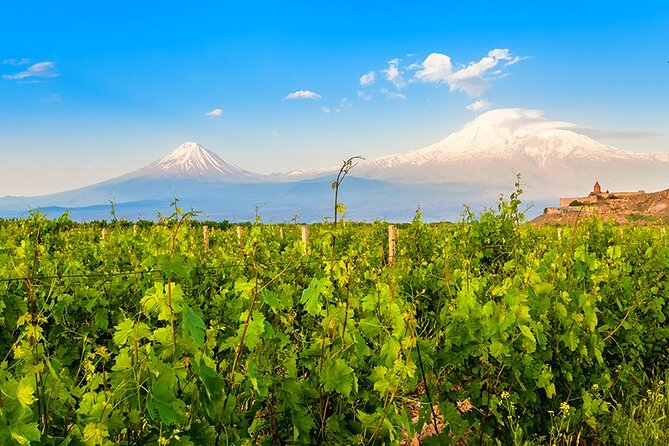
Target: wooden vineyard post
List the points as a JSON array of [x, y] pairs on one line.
[[391, 244], [305, 239], [559, 233], [239, 235], [103, 233], [281, 233], [205, 236], [134, 230]]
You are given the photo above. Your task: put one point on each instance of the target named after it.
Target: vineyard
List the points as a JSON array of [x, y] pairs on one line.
[[485, 331]]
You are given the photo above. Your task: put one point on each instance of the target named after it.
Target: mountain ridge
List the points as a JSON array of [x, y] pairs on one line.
[[472, 165]]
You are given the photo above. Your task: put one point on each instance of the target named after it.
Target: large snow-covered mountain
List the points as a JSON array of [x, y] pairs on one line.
[[470, 166], [552, 157]]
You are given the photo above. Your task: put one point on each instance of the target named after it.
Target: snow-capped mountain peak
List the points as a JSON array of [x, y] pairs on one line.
[[191, 160], [507, 134], [550, 155]]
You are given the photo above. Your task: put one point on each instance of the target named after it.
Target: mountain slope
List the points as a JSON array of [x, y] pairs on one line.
[[191, 160], [186, 169], [551, 157], [509, 133], [305, 201]]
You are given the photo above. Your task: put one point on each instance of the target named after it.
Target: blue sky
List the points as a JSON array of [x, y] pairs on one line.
[[90, 90]]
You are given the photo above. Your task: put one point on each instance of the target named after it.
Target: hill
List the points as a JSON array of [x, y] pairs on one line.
[[627, 207]]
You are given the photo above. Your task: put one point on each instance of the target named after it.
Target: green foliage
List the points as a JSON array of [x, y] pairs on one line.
[[644, 421], [487, 330]]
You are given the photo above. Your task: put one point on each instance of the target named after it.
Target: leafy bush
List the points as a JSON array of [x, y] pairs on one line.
[[486, 330]]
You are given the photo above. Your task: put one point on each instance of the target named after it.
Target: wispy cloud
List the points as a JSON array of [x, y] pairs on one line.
[[343, 104], [481, 104], [215, 113], [395, 95], [325, 109], [38, 70], [473, 79], [302, 94], [368, 79], [517, 118], [364, 96], [393, 73], [16, 62], [611, 134], [392, 94]]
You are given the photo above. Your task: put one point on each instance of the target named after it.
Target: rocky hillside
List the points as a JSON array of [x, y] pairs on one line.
[[641, 208]]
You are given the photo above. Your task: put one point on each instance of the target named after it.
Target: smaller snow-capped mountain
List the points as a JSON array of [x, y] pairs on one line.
[[192, 161], [188, 170]]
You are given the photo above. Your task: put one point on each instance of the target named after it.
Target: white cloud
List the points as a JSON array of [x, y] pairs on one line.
[[437, 67], [368, 79], [498, 53], [518, 118], [325, 109], [514, 61], [343, 104], [393, 73], [612, 134], [473, 79], [364, 96], [478, 105], [16, 62], [40, 69], [392, 94], [303, 94], [215, 113]]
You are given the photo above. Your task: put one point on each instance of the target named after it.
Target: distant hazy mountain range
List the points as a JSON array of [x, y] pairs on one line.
[[471, 166]]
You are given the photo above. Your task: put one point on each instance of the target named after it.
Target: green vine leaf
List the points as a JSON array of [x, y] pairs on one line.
[[25, 392], [193, 325], [339, 377], [25, 434]]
